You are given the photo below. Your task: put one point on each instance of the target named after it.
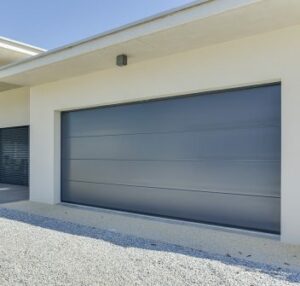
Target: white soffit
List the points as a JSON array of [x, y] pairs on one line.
[[196, 25], [7, 86], [11, 51]]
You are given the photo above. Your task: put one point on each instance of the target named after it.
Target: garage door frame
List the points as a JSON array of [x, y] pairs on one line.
[[156, 100]]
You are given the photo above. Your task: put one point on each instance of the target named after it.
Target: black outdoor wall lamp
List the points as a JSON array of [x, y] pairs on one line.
[[121, 60]]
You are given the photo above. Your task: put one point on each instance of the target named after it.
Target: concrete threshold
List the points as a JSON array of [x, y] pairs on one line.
[[242, 244]]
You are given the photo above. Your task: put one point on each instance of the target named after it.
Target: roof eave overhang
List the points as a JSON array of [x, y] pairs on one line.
[[199, 24]]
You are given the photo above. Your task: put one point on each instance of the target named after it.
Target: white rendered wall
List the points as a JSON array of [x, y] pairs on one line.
[[14, 107], [255, 60]]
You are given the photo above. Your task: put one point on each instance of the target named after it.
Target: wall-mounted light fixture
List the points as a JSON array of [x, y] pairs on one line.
[[121, 60]]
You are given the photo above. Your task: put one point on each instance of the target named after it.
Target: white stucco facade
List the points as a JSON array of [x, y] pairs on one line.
[[204, 46], [259, 59], [14, 107]]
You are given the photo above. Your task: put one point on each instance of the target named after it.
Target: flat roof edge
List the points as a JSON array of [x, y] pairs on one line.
[[21, 44], [125, 27], [142, 21]]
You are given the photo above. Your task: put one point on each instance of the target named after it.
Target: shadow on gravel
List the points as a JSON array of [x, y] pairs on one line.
[[132, 241]]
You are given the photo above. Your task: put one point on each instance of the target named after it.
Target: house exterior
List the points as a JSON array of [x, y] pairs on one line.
[[14, 131], [201, 124]]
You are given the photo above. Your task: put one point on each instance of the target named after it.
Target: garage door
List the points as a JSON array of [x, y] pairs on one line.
[[207, 157], [14, 156]]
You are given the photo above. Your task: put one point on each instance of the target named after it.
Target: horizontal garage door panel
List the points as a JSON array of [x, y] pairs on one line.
[[227, 176], [254, 212], [255, 143], [218, 110], [211, 157]]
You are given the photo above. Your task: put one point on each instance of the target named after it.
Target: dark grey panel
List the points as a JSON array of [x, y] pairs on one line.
[[250, 211], [214, 175], [175, 157], [14, 155], [219, 110], [241, 144]]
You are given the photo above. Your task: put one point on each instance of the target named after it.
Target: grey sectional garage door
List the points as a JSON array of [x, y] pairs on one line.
[[14, 155], [209, 157]]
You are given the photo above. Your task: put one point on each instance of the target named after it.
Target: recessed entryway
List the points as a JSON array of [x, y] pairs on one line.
[[14, 155]]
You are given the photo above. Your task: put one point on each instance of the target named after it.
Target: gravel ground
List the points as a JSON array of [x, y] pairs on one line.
[[36, 250]]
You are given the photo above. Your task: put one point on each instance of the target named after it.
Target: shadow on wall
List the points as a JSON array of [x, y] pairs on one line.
[[135, 242]]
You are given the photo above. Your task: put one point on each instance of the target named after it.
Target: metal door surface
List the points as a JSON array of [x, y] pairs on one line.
[[212, 157], [14, 155]]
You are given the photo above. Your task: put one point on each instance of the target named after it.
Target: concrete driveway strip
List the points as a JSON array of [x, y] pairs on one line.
[[36, 250]]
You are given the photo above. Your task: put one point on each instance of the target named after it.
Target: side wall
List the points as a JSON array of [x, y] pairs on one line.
[[14, 107], [255, 60]]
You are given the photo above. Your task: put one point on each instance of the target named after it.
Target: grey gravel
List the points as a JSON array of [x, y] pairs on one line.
[[36, 250]]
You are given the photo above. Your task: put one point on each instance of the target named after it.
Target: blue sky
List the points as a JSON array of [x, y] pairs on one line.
[[53, 23]]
